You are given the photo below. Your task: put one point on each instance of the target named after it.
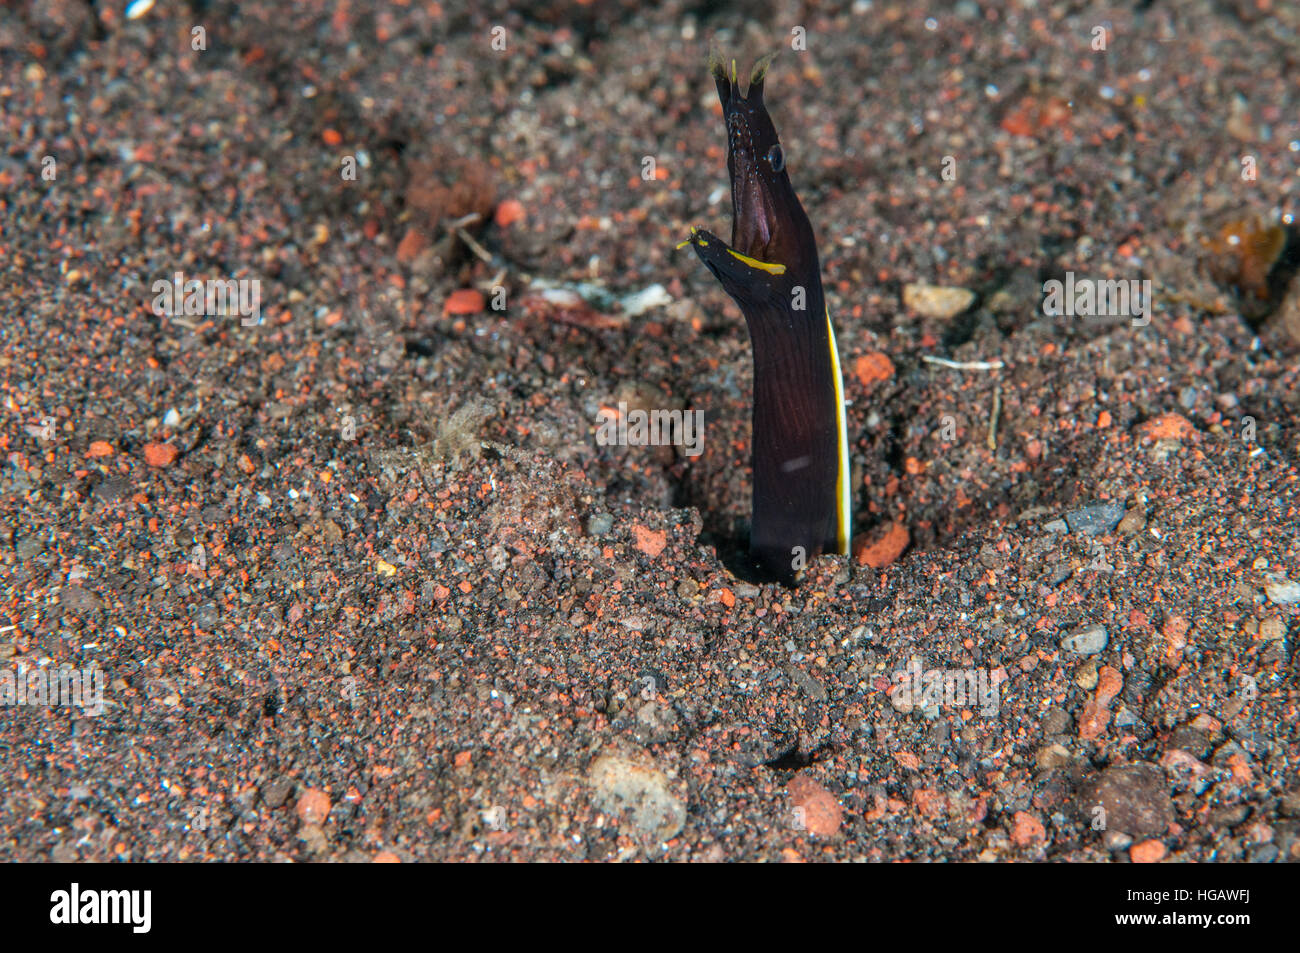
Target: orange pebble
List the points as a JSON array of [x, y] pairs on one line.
[[464, 301], [880, 552], [160, 454], [870, 368], [509, 212]]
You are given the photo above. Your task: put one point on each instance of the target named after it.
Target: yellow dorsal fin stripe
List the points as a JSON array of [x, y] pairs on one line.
[[844, 503], [755, 263]]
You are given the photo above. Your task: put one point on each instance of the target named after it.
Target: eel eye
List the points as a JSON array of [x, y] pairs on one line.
[[776, 158]]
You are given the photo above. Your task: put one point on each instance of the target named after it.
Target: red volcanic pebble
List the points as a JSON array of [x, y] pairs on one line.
[[883, 549], [509, 212], [464, 301], [1027, 830], [872, 368], [1147, 852], [818, 810], [313, 806], [1110, 683], [1168, 427], [650, 541], [160, 455]]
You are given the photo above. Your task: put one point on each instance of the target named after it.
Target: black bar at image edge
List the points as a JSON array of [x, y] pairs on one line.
[[333, 901]]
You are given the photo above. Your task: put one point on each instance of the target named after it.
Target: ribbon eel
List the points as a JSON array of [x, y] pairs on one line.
[[800, 448]]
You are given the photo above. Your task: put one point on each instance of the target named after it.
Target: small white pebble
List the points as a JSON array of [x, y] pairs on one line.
[[138, 8]]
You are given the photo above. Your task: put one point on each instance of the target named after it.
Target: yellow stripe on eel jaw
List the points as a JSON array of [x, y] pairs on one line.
[[755, 263]]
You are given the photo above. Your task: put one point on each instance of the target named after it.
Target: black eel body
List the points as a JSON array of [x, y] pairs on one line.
[[771, 270]]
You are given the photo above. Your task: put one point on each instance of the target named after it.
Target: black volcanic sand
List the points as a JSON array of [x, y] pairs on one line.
[[433, 619]]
